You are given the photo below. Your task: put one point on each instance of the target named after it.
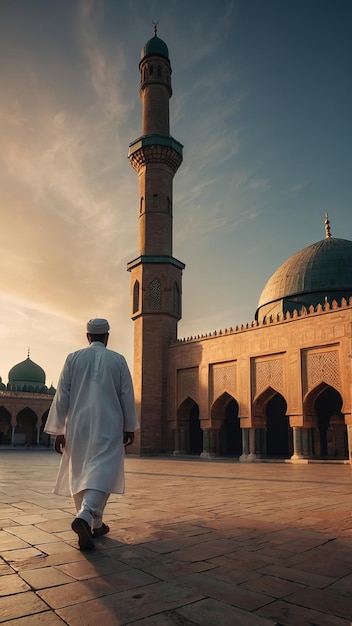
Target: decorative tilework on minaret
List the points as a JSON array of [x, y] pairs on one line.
[[156, 275]]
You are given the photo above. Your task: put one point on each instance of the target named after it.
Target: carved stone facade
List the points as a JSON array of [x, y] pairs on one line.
[[22, 418], [290, 379]]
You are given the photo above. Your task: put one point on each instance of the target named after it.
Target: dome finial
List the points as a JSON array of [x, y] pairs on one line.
[[28, 352], [327, 226], [155, 27]]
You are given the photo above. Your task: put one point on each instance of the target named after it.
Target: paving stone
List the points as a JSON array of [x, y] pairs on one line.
[[212, 612], [17, 605], [39, 619], [223, 591], [83, 570], [168, 571], [45, 577], [344, 586], [169, 618], [9, 541], [21, 555], [128, 606], [12, 584], [232, 575], [207, 550], [275, 587], [323, 600], [80, 591], [285, 614], [31, 535], [298, 576]]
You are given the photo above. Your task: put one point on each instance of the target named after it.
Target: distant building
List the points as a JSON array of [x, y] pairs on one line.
[[24, 405], [279, 386]]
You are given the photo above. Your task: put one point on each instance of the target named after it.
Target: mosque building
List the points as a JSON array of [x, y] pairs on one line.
[[24, 405], [277, 387]]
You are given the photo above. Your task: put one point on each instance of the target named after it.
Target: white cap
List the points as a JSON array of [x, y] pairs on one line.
[[98, 326]]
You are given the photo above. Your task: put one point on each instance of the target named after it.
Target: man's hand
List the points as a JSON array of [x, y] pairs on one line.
[[128, 439], [60, 443]]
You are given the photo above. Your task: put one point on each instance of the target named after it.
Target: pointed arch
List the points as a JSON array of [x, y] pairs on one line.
[[260, 402], [188, 420], [224, 412], [5, 426], [26, 422], [135, 303], [270, 412], [322, 407], [279, 438]]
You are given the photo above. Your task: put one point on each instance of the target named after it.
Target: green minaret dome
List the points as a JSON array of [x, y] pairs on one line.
[[27, 373], [155, 46]]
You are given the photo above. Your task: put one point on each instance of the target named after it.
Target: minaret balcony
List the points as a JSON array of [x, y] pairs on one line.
[[155, 149]]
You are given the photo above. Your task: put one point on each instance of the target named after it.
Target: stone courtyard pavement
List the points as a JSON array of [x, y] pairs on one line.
[[192, 543]]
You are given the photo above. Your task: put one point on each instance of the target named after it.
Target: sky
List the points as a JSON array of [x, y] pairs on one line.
[[262, 103]]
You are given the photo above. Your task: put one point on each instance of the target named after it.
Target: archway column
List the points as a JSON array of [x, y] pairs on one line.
[[210, 443], [180, 442], [349, 441], [13, 428], [305, 443], [245, 444], [300, 444], [252, 445]]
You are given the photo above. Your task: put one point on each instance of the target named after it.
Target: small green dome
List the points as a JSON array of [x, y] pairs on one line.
[[27, 373], [155, 46], [320, 272]]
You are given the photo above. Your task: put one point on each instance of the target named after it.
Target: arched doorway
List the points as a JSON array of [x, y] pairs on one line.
[[191, 434], [330, 437], [25, 432], [278, 431], [225, 411], [5, 426]]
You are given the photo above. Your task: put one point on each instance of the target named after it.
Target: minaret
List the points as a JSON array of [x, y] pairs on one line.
[[155, 274]]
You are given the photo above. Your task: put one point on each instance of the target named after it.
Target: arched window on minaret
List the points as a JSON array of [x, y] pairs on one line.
[[155, 294], [141, 205], [145, 74], [151, 69], [176, 299], [135, 305], [159, 71], [155, 201]]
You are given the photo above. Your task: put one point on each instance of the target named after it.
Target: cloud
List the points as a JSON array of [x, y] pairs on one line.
[[66, 233]]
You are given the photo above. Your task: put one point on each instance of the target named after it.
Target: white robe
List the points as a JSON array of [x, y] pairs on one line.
[[93, 406]]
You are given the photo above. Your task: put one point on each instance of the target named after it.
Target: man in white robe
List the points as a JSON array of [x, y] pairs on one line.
[[93, 416]]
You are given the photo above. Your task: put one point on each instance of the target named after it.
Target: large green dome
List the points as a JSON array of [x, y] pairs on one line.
[[319, 273], [26, 374], [155, 46]]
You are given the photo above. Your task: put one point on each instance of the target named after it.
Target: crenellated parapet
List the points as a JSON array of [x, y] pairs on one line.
[[320, 309]]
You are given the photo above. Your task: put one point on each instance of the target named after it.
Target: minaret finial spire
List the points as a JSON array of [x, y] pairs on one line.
[[327, 227], [156, 27], [28, 352]]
